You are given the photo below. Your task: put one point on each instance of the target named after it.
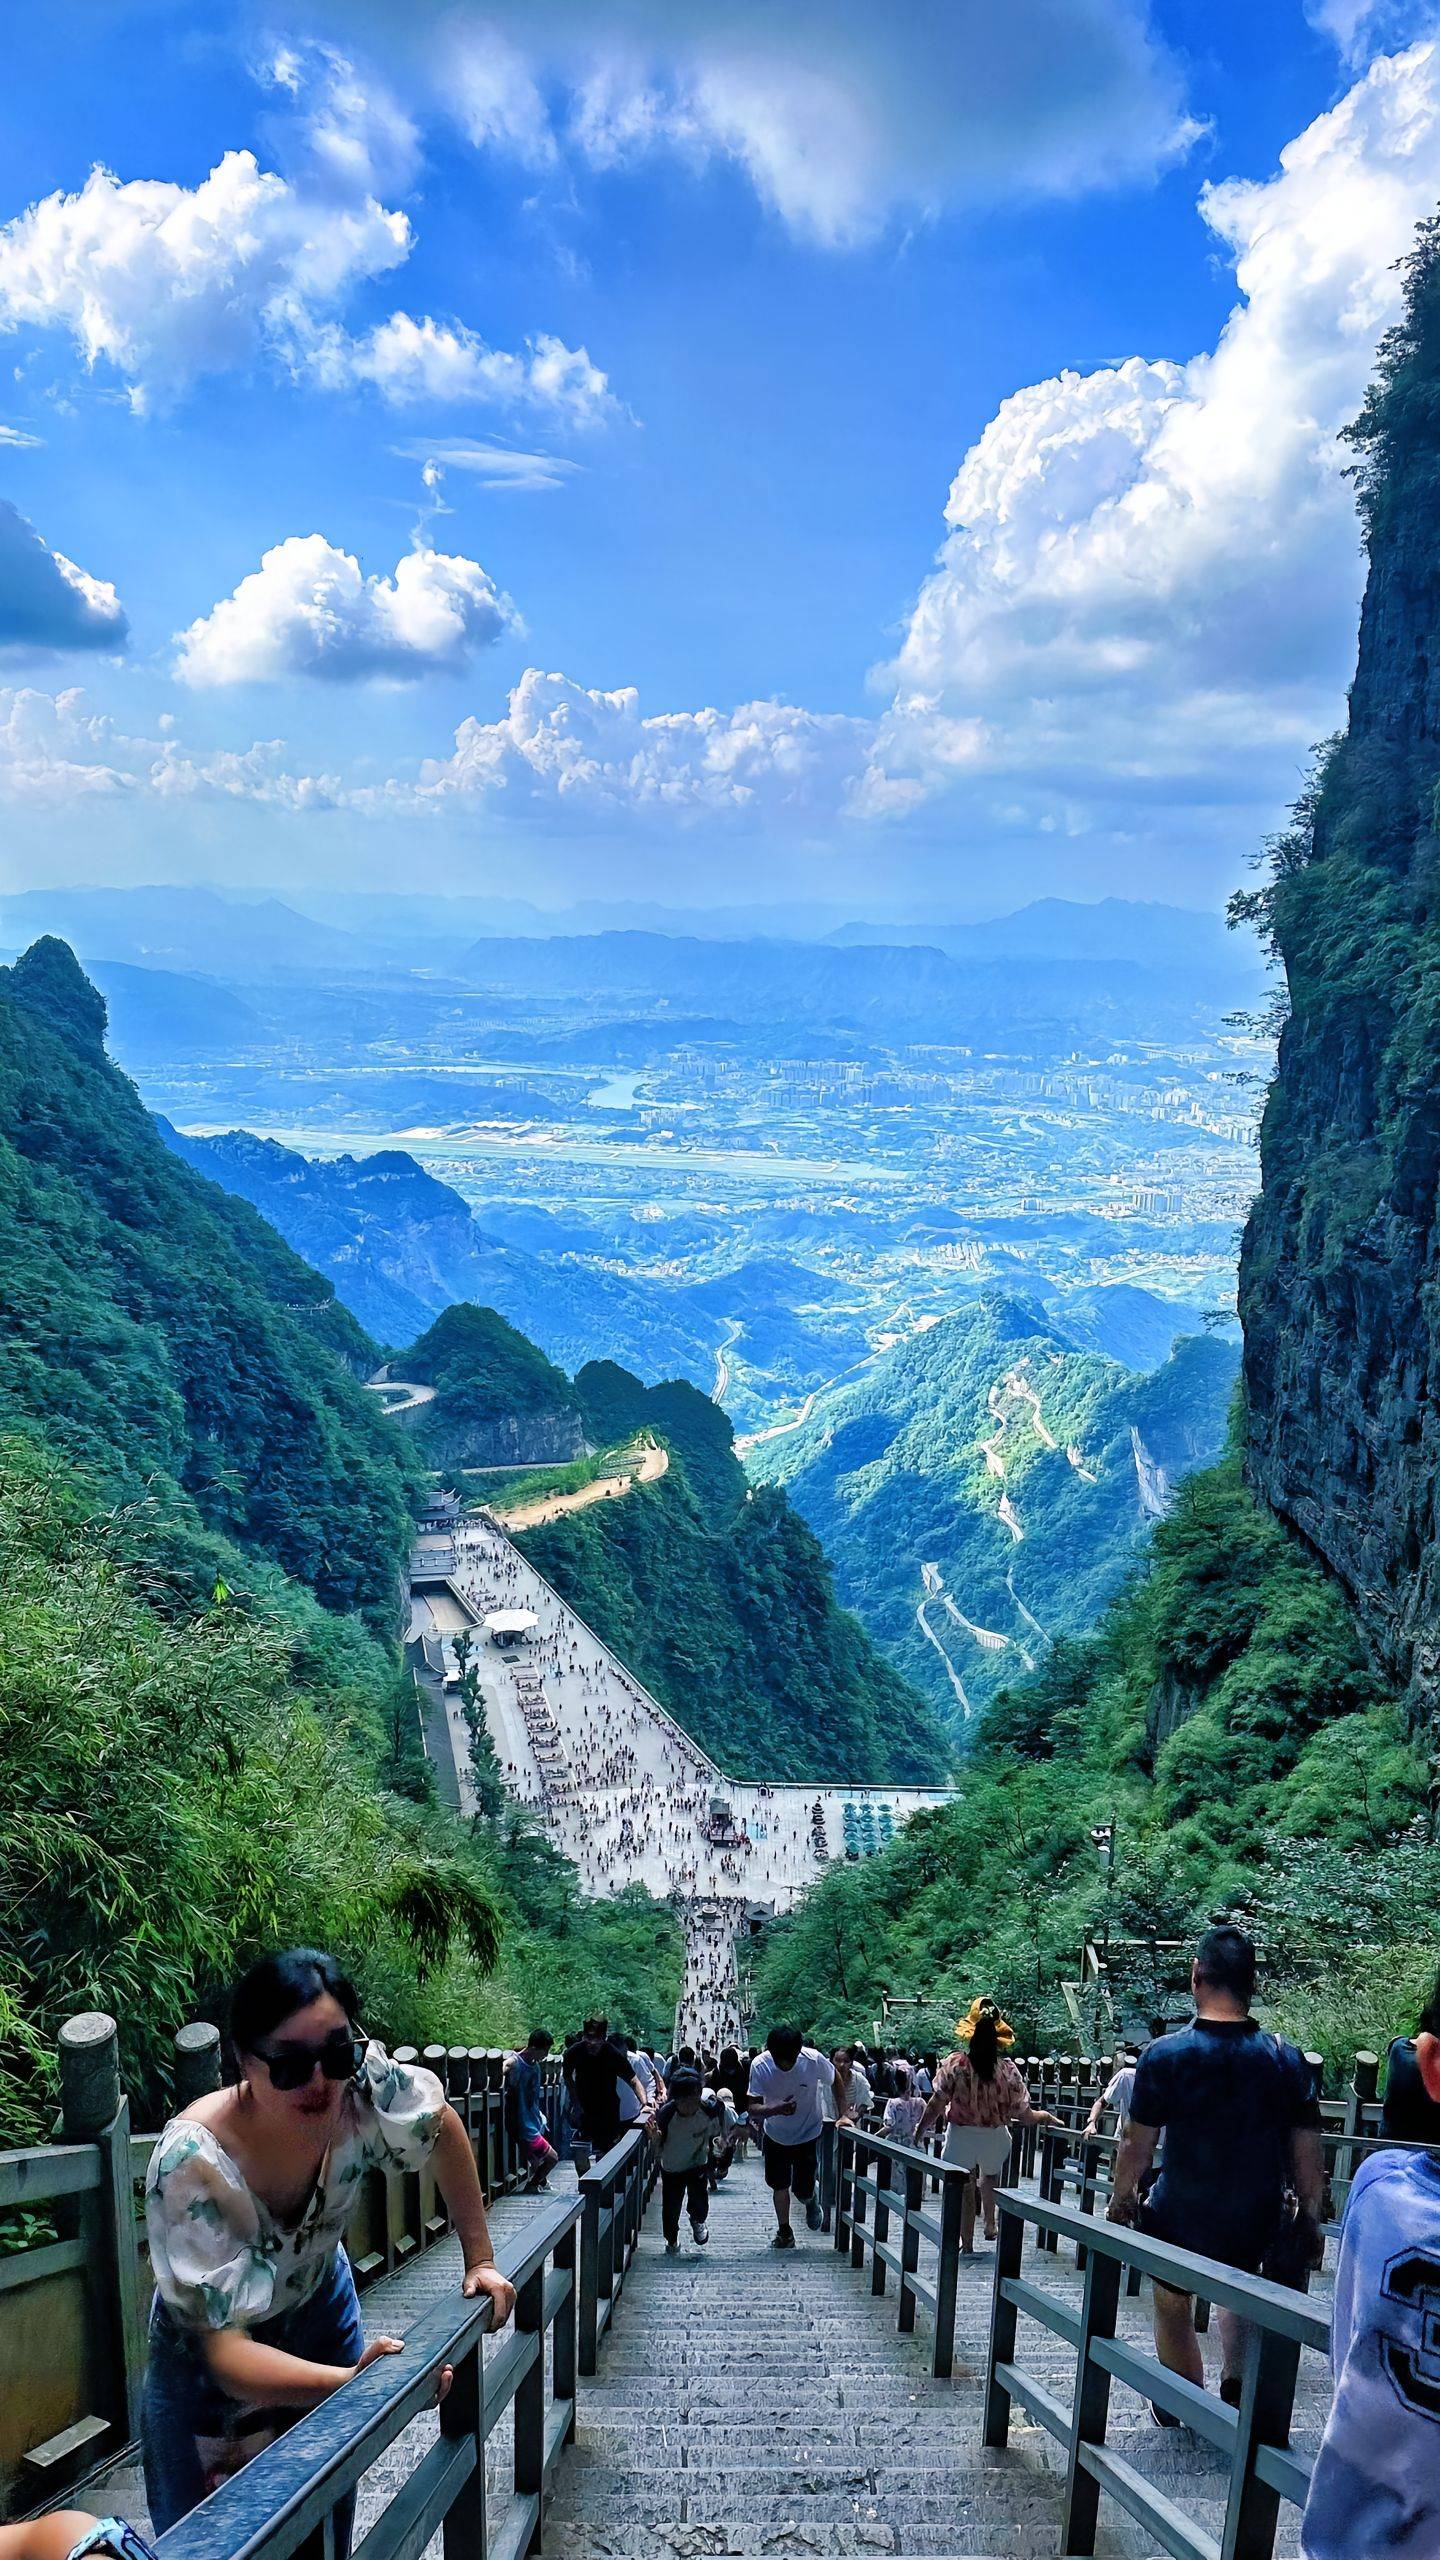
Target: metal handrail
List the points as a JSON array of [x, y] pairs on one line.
[[285, 2500], [1072, 2158], [1255, 2436], [899, 2195], [614, 2192]]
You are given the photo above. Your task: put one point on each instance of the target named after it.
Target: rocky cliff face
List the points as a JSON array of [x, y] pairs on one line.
[[1340, 1276]]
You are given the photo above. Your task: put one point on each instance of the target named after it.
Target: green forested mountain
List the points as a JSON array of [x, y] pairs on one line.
[[197, 1757], [399, 1246], [720, 1599], [1224, 1718], [986, 1486], [161, 1333], [497, 1399], [1340, 1275]]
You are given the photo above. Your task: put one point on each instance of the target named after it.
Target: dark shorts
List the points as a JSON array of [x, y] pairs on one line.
[[792, 2165], [1237, 2248]]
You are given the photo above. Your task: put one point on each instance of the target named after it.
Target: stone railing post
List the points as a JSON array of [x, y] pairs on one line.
[[197, 2062], [1359, 2100], [94, 2108]]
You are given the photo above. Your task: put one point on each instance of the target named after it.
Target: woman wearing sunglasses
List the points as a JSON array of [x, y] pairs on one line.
[[255, 2317]]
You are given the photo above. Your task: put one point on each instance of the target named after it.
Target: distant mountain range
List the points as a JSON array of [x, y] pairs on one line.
[[999, 999], [185, 929], [1130, 930], [984, 1488], [1114, 970]]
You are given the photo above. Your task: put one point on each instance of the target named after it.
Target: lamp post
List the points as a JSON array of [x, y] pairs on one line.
[[1103, 1834]]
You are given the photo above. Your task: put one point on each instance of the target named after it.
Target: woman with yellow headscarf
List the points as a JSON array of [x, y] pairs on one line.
[[982, 2096]]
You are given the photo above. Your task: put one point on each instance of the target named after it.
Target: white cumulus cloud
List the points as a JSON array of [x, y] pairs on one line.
[[163, 283], [45, 601], [1148, 588], [408, 360], [308, 611], [839, 114], [1358, 28], [57, 753], [160, 284], [562, 740]]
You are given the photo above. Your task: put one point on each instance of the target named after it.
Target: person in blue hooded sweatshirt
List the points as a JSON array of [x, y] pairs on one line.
[[1376, 2483]]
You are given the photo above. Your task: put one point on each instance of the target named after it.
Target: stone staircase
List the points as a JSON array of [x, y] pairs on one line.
[[756, 2403], [751, 2402]]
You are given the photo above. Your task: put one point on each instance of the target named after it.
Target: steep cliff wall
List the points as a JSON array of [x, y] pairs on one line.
[[1340, 1275]]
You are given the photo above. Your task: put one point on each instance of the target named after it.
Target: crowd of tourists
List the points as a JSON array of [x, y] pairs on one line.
[[1218, 2155], [623, 1791]]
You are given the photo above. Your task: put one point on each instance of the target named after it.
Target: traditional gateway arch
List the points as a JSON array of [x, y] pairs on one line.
[[622, 1789]]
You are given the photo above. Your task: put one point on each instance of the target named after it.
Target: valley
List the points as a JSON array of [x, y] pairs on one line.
[[763, 1161]]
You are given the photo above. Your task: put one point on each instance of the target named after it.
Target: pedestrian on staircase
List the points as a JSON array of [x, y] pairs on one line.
[[1375, 2485], [643, 2070], [1242, 2128], [786, 2082], [1119, 2093], [249, 2189], [904, 2111], [982, 2096], [72, 2533], [596, 2067], [684, 2132], [525, 2110]]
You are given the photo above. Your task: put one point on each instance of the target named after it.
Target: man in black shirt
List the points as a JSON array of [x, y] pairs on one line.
[[595, 2069], [1241, 2126]]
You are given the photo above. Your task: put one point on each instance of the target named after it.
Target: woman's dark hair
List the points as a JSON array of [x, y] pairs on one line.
[[278, 1985], [985, 2045], [729, 2057], [1430, 2014]]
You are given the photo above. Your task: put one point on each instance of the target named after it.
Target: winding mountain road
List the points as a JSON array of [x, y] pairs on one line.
[[652, 1464], [402, 1395]]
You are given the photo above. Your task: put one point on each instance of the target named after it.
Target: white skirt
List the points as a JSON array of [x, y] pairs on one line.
[[984, 2147]]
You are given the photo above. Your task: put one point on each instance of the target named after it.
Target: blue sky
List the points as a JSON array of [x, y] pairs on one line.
[[750, 289]]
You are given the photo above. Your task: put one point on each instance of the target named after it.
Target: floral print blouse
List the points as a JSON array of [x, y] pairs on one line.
[[221, 2259], [972, 2101]]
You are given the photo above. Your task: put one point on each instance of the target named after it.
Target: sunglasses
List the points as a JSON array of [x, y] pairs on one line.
[[292, 2066]]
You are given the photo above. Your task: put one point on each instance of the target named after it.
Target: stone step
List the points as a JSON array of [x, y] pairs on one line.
[[1008, 2538], [725, 2437], [766, 2396], [710, 2499]]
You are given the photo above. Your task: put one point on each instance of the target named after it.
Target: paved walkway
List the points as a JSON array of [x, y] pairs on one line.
[[622, 1788], [650, 1465], [751, 2403]]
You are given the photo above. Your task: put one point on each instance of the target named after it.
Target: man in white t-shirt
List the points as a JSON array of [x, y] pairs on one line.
[[632, 2107], [1118, 2093], [787, 2085]]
